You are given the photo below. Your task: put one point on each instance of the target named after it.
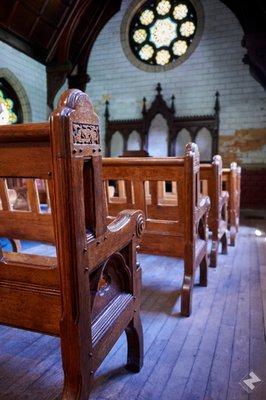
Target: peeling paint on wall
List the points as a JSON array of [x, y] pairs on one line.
[[245, 146]]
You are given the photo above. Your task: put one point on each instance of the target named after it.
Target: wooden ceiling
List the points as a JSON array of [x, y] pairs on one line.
[[61, 33], [35, 25]]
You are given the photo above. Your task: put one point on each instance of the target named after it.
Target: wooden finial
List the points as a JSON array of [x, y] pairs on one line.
[[173, 104], [107, 113], [144, 108], [159, 89], [217, 103]]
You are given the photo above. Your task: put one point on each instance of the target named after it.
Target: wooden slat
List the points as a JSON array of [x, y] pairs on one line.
[[128, 190], [48, 189], [162, 212], [154, 192], [25, 161], [30, 268], [155, 170], [33, 197], [23, 133], [139, 196], [4, 195], [26, 225], [24, 302], [174, 228]]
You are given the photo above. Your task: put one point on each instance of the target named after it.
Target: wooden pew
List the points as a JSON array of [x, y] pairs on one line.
[[231, 183], [177, 229], [211, 185], [90, 292]]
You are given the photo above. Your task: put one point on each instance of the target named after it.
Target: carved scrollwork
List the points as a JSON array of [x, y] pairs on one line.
[[140, 225], [85, 133]]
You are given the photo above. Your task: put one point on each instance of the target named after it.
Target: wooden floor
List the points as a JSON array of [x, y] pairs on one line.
[[201, 357]]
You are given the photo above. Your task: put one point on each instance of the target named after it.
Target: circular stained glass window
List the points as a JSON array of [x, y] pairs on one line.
[[161, 34]]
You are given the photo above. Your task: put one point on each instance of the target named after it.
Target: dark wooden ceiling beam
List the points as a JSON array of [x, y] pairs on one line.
[[105, 10], [71, 57], [65, 31]]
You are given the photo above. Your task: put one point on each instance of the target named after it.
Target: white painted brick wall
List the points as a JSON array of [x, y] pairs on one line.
[[31, 75], [216, 64]]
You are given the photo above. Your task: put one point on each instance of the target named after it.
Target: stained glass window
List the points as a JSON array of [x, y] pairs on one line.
[[10, 109], [162, 30]]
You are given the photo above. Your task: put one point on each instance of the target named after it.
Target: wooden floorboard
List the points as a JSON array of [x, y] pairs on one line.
[[203, 357]]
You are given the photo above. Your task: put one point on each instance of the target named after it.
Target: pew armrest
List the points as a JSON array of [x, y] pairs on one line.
[[126, 219], [128, 225]]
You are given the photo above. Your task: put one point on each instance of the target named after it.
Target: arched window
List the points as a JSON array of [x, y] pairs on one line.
[[183, 138], [117, 145], [204, 142], [158, 137], [134, 141], [10, 108]]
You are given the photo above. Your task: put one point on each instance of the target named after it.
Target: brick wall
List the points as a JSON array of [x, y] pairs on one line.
[[216, 64], [31, 76]]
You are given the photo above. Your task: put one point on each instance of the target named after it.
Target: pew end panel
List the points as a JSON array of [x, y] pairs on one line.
[[211, 184], [231, 183], [99, 278], [196, 211]]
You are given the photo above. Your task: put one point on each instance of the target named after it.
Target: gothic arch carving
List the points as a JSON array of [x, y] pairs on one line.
[[175, 123]]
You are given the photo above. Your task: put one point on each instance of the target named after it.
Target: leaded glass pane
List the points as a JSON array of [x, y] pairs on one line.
[[180, 11], [163, 57], [140, 36], [163, 32], [180, 47], [146, 17], [146, 52], [163, 7], [7, 115], [187, 29]]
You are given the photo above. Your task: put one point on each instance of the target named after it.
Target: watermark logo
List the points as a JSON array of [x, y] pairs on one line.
[[250, 382]]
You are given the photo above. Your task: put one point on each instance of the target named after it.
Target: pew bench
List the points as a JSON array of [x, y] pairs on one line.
[[177, 229], [90, 292], [211, 185], [231, 180]]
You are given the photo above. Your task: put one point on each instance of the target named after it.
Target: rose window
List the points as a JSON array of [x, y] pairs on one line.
[[161, 32]]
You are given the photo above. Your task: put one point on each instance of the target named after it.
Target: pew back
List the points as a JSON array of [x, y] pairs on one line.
[[21, 159], [138, 185]]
